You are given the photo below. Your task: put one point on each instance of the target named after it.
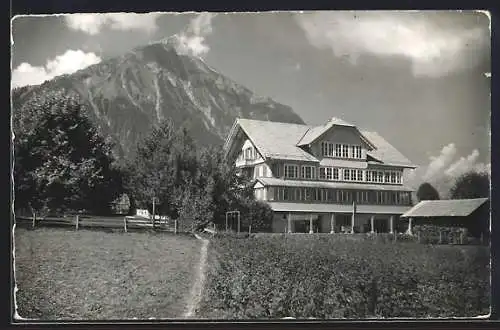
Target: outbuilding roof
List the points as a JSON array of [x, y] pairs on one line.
[[445, 208]]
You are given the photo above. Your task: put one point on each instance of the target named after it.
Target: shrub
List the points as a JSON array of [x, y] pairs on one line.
[[257, 214]]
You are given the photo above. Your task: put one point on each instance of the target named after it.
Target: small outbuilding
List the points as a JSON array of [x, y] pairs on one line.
[[473, 214]]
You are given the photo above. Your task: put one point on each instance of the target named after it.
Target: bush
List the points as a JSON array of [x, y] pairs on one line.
[[406, 238], [230, 234], [260, 216], [430, 234], [327, 276]]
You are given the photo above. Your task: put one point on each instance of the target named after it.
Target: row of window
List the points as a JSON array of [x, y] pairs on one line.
[[340, 174], [346, 196], [249, 153], [338, 150], [383, 176]]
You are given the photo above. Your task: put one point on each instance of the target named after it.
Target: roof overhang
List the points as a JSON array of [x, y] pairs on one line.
[[278, 182], [377, 162], [235, 140], [337, 208]]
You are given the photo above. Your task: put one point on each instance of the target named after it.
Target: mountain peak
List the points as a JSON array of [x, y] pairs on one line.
[[128, 95], [176, 42]]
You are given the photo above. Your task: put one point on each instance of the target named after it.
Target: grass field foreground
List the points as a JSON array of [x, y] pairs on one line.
[[95, 275], [335, 276]]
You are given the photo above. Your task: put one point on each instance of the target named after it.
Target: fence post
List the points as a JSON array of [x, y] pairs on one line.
[[249, 229], [440, 237], [77, 221], [175, 226], [418, 236], [125, 223], [34, 221]]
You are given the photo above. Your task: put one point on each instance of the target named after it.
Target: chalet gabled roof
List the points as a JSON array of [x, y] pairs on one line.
[[445, 208], [275, 140], [386, 153], [316, 132]]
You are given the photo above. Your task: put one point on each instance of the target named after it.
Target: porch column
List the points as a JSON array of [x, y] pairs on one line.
[[289, 226], [409, 226], [372, 224], [311, 224], [391, 224], [332, 224], [352, 223]]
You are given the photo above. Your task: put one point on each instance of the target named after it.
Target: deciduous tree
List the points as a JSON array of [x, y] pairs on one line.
[[61, 162], [427, 192], [471, 185]]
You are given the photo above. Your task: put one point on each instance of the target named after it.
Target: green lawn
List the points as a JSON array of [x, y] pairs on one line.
[[96, 275]]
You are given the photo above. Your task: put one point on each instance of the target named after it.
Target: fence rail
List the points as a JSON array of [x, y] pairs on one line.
[[84, 221]]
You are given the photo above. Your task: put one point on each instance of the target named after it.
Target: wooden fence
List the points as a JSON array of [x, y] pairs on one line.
[[78, 221], [441, 238]]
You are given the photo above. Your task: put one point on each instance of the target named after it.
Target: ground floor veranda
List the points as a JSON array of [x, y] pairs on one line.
[[336, 222]]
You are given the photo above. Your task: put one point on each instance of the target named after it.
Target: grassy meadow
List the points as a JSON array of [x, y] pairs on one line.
[[96, 275], [337, 276]]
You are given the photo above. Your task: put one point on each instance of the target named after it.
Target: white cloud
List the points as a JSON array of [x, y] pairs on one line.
[[433, 49], [443, 170], [93, 23], [67, 63], [193, 45], [439, 163], [192, 40], [201, 25], [463, 165], [26, 74]]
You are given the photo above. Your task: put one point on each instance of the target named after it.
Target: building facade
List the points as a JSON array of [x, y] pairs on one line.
[[328, 178]]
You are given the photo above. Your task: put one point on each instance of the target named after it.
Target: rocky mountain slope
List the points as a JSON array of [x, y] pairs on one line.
[[128, 95]]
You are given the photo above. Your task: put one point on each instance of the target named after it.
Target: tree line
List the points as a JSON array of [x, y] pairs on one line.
[[471, 184], [63, 165]]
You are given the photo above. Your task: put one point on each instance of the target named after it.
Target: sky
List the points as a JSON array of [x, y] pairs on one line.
[[418, 78]]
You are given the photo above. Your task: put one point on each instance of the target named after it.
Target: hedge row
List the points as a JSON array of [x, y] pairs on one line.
[[432, 234], [329, 277]]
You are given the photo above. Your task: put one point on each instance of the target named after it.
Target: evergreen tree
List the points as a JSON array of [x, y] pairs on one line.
[[164, 165], [194, 185]]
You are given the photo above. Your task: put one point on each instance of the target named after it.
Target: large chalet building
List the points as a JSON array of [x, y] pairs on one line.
[[327, 179]]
